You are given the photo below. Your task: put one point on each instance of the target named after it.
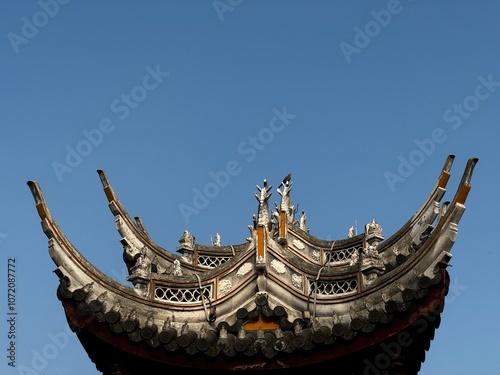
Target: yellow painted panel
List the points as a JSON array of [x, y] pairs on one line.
[[265, 325], [282, 224], [443, 180], [260, 241]]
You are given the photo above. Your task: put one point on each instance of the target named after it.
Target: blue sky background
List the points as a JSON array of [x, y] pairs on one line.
[[367, 87]]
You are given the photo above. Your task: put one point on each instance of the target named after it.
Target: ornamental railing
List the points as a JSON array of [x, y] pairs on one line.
[[211, 261], [333, 288], [164, 293], [343, 255]]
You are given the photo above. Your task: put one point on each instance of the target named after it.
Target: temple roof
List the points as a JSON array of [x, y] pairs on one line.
[[282, 298]]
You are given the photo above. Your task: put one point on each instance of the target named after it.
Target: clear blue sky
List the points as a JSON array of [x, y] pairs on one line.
[[164, 95]]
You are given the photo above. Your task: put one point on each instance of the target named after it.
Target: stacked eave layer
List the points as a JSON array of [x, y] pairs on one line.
[[291, 300]]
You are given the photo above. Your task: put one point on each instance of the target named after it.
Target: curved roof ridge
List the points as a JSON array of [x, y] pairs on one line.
[[57, 238], [428, 206], [138, 229]]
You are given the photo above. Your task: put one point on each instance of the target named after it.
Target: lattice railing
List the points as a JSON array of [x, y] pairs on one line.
[[182, 295], [211, 262], [341, 255], [333, 288]]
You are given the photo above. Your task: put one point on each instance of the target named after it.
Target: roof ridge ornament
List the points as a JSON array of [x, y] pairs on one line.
[[302, 222], [263, 197], [285, 211], [217, 242], [286, 201]]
